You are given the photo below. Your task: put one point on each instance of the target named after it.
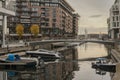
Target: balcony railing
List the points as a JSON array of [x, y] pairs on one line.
[[5, 10]]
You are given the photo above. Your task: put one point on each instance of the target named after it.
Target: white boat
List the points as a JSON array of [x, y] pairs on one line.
[[46, 55]]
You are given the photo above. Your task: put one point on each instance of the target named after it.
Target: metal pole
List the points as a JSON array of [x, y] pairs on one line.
[[4, 24]]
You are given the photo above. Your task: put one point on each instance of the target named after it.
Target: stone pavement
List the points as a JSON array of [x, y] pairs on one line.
[[116, 55], [13, 48], [117, 74]]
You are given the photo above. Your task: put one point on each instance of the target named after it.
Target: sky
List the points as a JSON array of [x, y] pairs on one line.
[[94, 14]]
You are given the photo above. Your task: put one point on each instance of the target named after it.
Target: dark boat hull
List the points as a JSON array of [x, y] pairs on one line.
[[105, 67], [44, 57]]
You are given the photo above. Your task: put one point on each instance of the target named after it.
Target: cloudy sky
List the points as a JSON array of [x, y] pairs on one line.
[[94, 14]]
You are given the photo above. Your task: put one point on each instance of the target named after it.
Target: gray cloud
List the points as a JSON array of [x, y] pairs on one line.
[[95, 16], [93, 30]]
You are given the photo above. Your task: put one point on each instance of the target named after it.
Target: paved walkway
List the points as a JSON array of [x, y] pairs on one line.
[[116, 76], [116, 55], [15, 45], [20, 53], [13, 48]]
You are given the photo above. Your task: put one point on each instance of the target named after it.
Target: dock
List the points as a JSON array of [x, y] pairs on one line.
[[15, 61], [18, 64]]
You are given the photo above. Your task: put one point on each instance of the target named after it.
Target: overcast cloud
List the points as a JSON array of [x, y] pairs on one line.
[[94, 14]]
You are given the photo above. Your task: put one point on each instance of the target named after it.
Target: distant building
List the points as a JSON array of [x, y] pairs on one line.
[[114, 21], [94, 36], [55, 18], [75, 24]]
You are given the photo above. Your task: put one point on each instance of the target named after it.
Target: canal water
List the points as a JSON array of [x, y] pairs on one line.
[[90, 51], [77, 69]]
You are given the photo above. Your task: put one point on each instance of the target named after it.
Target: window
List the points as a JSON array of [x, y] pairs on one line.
[[34, 4], [47, 24], [47, 19], [117, 24], [46, 0], [46, 4], [53, 5], [34, 14], [34, 9], [42, 4], [54, 20], [55, 0], [117, 19], [54, 13], [114, 24], [113, 18], [54, 25]]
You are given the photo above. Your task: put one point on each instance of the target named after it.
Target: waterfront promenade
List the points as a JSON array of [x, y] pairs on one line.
[[18, 47]]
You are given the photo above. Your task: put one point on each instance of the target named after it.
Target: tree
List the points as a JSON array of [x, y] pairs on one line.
[[19, 30], [34, 30]]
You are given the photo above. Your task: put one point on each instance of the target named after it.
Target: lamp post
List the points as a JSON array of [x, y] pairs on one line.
[[4, 27], [4, 24], [7, 39]]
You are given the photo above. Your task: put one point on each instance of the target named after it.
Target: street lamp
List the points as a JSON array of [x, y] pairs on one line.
[[4, 24], [7, 39]]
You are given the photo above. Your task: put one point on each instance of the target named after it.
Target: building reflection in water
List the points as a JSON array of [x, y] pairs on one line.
[[100, 72], [62, 70], [51, 71]]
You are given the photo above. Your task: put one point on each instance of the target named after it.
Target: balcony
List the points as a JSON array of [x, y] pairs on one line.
[[19, 1], [25, 16], [5, 11], [26, 34], [25, 22]]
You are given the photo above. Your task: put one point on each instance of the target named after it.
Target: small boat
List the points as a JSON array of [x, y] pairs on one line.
[[14, 60], [45, 55], [105, 67], [102, 64], [100, 72], [99, 61]]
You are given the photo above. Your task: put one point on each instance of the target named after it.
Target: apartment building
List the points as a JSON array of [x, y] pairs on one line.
[[54, 17], [114, 21]]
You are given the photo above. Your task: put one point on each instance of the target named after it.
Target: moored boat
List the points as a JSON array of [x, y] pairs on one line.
[[102, 64], [14, 60], [45, 55]]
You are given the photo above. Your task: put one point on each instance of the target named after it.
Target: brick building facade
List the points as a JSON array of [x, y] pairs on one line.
[[54, 17]]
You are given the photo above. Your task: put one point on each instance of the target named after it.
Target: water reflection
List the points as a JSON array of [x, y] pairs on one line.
[[100, 72], [92, 50], [51, 71], [69, 69]]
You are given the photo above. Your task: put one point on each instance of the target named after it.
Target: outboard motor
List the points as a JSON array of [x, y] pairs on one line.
[[11, 57]]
